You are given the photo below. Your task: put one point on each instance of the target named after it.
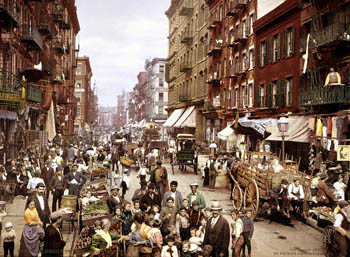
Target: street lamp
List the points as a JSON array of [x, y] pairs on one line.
[[283, 125]]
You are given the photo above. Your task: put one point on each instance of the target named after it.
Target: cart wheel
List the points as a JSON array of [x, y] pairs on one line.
[[329, 245], [251, 197], [237, 196]]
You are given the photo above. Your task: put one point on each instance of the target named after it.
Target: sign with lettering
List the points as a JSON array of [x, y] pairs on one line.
[[343, 153], [10, 97]]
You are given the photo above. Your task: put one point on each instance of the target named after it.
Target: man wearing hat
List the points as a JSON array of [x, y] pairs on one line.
[[159, 176], [150, 199], [342, 226], [75, 181], [280, 191], [194, 195], [140, 191], [41, 203], [176, 195], [217, 232], [114, 200]]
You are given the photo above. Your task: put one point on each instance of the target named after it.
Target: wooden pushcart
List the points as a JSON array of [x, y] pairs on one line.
[[253, 183]]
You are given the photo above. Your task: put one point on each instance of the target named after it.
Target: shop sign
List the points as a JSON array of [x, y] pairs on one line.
[[10, 97], [343, 153]]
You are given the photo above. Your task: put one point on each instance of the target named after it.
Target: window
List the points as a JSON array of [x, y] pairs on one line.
[[251, 94], [275, 94], [161, 83], [245, 63], [251, 21], [78, 111], [246, 97], [161, 68], [262, 53], [244, 28], [260, 96], [235, 98], [276, 47], [241, 97], [251, 58], [161, 97], [160, 109], [288, 42], [289, 91], [78, 99]]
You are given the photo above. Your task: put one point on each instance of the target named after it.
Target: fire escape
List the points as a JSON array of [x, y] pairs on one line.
[[329, 37]]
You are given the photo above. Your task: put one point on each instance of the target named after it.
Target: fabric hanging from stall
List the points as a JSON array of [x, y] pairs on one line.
[[345, 126], [319, 127], [334, 127], [339, 124], [329, 126], [312, 126]]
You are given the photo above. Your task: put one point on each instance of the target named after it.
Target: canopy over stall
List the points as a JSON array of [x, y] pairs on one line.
[[190, 121], [173, 117], [298, 130], [226, 133], [184, 116]]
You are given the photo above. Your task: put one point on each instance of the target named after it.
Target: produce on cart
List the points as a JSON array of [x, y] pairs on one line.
[[95, 211]]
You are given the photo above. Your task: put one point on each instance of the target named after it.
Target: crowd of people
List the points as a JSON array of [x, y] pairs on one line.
[[157, 221]]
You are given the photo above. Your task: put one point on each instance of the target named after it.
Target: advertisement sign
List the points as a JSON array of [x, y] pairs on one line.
[[343, 153]]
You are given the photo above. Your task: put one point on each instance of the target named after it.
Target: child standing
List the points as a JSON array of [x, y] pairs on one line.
[[248, 230], [185, 249], [183, 224], [339, 187], [8, 238], [170, 249], [136, 207]]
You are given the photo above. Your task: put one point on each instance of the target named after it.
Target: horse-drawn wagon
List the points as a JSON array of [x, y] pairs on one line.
[[254, 179]]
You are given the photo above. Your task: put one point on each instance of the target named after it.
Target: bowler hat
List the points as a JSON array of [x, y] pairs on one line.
[[40, 185], [215, 206], [284, 182]]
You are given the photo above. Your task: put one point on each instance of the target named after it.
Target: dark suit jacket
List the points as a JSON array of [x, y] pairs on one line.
[[47, 174], [79, 177], [53, 244], [57, 184], [43, 214], [66, 170], [218, 236], [146, 201], [113, 203]]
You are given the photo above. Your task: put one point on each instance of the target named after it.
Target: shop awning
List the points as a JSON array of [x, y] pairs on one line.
[[225, 133], [190, 121], [258, 125], [173, 117], [298, 130], [184, 116], [6, 115]]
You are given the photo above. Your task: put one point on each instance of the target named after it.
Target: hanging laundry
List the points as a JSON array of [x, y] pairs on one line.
[[334, 127], [312, 123], [319, 128], [339, 123], [329, 126]]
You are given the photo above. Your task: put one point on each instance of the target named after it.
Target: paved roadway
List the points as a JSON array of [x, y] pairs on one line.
[[270, 239]]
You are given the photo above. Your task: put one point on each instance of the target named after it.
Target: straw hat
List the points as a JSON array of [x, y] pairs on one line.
[[215, 206]]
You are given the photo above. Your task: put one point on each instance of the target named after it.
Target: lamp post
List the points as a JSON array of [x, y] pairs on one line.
[[283, 125]]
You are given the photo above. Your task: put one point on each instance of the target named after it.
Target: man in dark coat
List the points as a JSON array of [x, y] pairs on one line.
[[280, 191], [57, 189], [140, 191], [53, 240], [68, 167], [150, 199], [75, 181], [41, 204], [47, 174], [217, 232], [114, 200]]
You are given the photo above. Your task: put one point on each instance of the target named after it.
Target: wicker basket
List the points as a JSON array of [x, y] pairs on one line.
[[126, 161]]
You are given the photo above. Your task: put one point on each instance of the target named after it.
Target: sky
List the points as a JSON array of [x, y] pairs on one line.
[[118, 36]]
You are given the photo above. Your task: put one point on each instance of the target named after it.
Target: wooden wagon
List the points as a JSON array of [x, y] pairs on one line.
[[253, 183]]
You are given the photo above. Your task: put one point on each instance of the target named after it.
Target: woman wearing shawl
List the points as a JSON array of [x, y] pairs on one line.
[[33, 233], [103, 239]]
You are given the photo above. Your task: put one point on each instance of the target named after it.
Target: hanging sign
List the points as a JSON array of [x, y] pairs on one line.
[[9, 97], [343, 153]]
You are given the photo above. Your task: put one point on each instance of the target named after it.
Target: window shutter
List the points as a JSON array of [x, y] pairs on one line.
[[253, 57], [257, 97], [283, 93], [277, 103], [278, 46], [269, 95], [284, 44], [259, 55], [270, 50], [248, 26], [290, 97], [292, 41]]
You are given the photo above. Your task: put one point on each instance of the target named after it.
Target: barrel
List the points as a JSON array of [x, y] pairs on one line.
[[69, 201], [222, 180]]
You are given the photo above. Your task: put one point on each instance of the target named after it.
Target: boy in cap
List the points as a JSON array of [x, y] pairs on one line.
[[8, 239]]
